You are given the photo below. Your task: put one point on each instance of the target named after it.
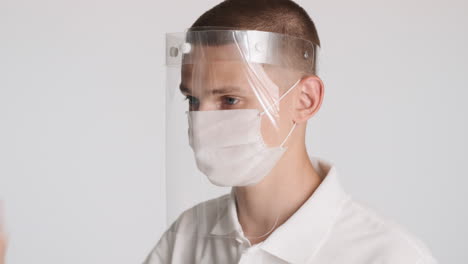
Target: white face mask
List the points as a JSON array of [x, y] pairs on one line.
[[229, 148]]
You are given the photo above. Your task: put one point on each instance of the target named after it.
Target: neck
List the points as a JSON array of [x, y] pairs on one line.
[[263, 207]]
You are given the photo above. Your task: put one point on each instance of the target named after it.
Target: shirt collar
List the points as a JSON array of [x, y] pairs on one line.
[[300, 237], [227, 222]]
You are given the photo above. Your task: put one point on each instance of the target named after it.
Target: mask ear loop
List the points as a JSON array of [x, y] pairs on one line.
[[267, 233], [281, 98], [277, 217], [282, 144], [289, 134]]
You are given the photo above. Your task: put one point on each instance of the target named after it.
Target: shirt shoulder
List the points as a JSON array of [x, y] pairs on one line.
[[192, 224], [201, 218], [377, 238]]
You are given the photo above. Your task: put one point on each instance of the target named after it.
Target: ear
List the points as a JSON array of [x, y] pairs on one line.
[[309, 99]]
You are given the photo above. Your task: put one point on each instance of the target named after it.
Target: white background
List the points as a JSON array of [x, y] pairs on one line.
[[82, 115]]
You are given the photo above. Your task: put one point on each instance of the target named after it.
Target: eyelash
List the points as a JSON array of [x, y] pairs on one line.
[[189, 98], [225, 99], [230, 97]]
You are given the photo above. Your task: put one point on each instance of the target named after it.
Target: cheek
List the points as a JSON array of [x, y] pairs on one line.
[[273, 135], [269, 132]]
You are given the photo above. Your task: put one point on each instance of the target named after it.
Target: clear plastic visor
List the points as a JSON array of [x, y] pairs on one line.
[[229, 97]]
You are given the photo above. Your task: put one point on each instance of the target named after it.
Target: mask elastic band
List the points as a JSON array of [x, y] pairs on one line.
[[282, 96], [289, 134]]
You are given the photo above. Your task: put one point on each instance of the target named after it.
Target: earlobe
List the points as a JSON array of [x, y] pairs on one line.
[[309, 99]]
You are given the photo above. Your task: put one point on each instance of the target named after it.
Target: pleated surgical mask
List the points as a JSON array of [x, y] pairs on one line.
[[229, 148]]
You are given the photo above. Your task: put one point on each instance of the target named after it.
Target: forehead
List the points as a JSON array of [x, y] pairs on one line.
[[214, 65], [214, 72], [207, 68], [226, 52]]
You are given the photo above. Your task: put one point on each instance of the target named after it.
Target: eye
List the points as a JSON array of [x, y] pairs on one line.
[[192, 100], [230, 100]]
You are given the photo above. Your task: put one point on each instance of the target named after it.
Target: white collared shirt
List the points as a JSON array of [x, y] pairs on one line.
[[329, 228]]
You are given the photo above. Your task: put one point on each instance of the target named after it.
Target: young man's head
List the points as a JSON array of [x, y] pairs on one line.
[[279, 16], [255, 54]]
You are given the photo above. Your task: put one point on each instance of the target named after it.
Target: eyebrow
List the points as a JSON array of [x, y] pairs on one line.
[[221, 90]]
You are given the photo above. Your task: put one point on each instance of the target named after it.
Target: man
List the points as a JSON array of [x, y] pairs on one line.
[[248, 72]]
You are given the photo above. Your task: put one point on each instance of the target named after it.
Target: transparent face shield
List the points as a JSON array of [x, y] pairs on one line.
[[228, 119]]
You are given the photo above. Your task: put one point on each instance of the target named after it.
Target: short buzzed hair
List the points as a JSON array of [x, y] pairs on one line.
[[278, 16]]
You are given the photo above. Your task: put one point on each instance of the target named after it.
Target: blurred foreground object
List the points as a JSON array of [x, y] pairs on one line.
[[3, 242]]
